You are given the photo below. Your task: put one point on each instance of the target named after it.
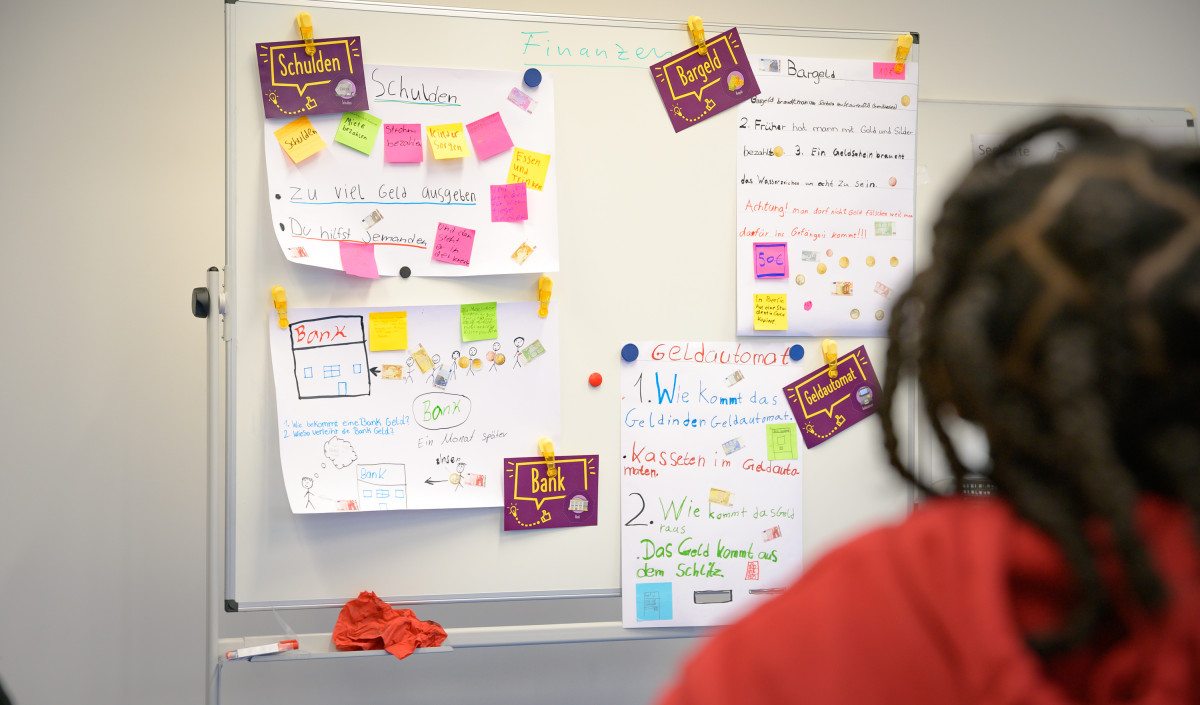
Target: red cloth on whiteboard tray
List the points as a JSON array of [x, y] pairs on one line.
[[367, 622]]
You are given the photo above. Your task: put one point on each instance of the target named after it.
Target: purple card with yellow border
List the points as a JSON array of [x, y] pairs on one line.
[[696, 86], [536, 497], [825, 406], [295, 83]]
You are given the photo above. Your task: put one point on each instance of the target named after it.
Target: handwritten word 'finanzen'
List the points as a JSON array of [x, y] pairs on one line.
[[539, 44]]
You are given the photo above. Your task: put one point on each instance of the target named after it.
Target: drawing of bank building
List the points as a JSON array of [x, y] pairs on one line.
[[382, 486], [330, 357]]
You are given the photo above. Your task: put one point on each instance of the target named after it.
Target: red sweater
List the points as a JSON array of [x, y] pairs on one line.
[[934, 611]]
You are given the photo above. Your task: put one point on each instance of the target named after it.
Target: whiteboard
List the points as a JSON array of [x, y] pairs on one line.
[[646, 231]]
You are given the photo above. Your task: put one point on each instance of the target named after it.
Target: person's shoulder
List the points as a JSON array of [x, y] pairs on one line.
[[894, 600]]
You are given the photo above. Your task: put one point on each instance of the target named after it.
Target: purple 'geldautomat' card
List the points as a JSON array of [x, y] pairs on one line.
[[825, 406], [696, 86], [535, 499], [294, 83]]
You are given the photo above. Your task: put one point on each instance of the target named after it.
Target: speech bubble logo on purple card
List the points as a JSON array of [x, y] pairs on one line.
[[825, 406]]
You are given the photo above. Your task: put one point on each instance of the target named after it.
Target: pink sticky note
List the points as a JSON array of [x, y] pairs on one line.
[[770, 260], [453, 244], [402, 143], [359, 259], [510, 203], [489, 136], [887, 70]]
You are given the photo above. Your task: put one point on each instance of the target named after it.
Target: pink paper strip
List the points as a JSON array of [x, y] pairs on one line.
[[453, 244], [402, 143], [510, 203], [489, 136], [359, 259], [887, 70]]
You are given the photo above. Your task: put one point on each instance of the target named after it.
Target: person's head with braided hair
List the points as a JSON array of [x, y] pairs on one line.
[[1059, 314]]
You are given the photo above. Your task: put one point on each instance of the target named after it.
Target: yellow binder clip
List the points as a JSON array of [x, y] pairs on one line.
[[696, 30], [304, 22], [829, 350], [280, 299], [545, 284], [903, 46], [546, 448]]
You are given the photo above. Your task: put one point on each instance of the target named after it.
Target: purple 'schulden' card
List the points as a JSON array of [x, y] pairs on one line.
[[696, 86], [294, 83], [535, 498], [825, 406]]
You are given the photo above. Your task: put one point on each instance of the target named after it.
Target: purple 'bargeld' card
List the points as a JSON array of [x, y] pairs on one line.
[[696, 86]]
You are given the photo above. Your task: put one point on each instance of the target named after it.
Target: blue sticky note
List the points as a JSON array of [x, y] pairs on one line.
[[653, 601]]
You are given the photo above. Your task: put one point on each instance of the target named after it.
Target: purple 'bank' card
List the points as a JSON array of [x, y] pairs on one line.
[[535, 498]]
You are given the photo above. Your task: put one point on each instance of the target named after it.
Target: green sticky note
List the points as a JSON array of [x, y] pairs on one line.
[[781, 441], [479, 322], [358, 130]]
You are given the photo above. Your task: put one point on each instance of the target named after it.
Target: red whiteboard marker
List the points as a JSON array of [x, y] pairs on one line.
[[285, 645]]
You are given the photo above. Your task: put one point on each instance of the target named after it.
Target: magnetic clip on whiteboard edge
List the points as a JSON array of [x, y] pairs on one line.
[[279, 296], [546, 448], [903, 46], [696, 31], [829, 350], [304, 22]]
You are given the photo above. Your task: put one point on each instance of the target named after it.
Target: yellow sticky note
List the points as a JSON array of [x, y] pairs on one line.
[[448, 141], [770, 312], [299, 139], [389, 330], [528, 168]]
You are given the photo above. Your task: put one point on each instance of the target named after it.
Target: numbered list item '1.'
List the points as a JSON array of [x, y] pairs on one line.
[[826, 170], [711, 483]]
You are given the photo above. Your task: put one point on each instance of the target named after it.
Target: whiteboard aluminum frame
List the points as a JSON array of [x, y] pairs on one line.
[[231, 604]]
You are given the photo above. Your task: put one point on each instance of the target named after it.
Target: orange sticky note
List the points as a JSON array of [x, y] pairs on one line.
[[389, 330], [299, 139], [528, 168], [448, 141], [770, 312]]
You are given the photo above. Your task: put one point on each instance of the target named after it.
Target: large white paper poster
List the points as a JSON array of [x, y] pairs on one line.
[[388, 200], [825, 198], [711, 482], [370, 430]]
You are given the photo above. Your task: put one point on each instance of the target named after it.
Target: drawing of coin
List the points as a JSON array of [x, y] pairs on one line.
[[892, 181], [870, 261], [807, 305], [778, 151], [844, 262], [905, 100], [800, 279], [829, 253], [854, 313], [477, 363], [895, 261], [821, 268], [454, 478], [499, 358], [490, 356], [463, 362], [879, 315]]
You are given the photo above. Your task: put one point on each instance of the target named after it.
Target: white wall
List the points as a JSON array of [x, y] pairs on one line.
[[112, 198]]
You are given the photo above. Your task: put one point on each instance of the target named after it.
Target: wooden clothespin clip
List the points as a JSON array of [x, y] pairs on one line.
[[280, 299], [829, 350], [546, 448], [545, 284], [903, 46], [304, 22], [696, 30]]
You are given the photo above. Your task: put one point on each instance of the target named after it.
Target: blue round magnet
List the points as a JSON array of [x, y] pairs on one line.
[[629, 353], [533, 77], [796, 352]]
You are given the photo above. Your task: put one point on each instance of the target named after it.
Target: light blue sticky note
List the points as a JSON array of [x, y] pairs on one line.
[[653, 601]]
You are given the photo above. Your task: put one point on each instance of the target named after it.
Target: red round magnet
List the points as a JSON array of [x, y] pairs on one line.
[[595, 379]]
